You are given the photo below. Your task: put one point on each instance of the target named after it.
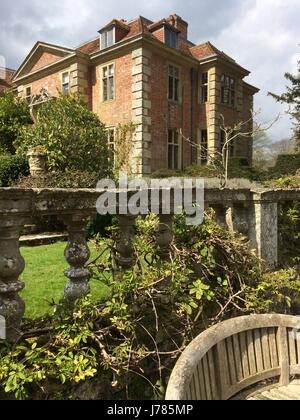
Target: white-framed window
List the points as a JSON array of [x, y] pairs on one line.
[[204, 87], [108, 82], [171, 38], [174, 83], [28, 95], [65, 83], [203, 147], [107, 38], [111, 143], [227, 90], [174, 155]]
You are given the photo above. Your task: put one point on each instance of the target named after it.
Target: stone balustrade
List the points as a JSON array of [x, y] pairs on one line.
[[252, 213]]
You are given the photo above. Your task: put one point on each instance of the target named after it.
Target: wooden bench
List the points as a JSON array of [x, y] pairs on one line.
[[229, 358]]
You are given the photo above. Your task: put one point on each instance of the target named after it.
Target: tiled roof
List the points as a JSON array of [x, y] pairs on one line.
[[91, 46], [208, 50], [141, 25], [6, 76]]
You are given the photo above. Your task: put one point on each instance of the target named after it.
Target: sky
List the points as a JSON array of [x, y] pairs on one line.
[[261, 35]]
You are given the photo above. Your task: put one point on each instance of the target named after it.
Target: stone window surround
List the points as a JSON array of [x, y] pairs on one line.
[[62, 80], [174, 144], [177, 67], [101, 78]]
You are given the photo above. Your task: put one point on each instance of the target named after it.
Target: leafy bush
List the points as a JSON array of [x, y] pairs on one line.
[[165, 173], [126, 347], [201, 171], [14, 115], [285, 165], [73, 137], [11, 168]]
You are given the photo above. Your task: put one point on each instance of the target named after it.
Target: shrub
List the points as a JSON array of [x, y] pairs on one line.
[[14, 115], [285, 165], [11, 168], [201, 171], [73, 137], [165, 173]]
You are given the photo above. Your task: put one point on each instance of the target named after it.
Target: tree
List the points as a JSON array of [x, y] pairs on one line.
[[292, 98], [73, 138], [14, 114]]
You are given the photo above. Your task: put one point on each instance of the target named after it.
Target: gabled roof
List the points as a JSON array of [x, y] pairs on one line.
[[206, 50], [115, 22], [162, 22], [36, 51]]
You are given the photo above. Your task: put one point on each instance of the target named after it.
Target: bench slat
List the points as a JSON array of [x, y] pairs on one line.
[[207, 378], [273, 347], [258, 350], [266, 349], [211, 364], [245, 361], [231, 359], [251, 353], [238, 358], [292, 347], [223, 370], [197, 384]]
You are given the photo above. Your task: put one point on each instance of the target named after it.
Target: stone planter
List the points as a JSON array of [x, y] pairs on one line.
[[37, 163]]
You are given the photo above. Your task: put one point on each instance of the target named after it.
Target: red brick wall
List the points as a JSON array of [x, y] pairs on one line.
[[45, 59], [119, 111], [160, 34], [166, 114], [52, 83]]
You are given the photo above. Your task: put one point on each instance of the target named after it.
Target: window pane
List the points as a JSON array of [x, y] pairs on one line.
[[111, 71], [176, 157], [111, 88], [204, 78], [103, 40], [170, 157], [105, 72], [110, 37], [105, 91], [171, 87], [176, 88], [65, 78]]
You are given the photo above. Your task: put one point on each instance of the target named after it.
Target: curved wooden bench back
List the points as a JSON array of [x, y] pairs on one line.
[[231, 356]]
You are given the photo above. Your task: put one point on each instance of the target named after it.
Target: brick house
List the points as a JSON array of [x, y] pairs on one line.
[[152, 75], [6, 76]]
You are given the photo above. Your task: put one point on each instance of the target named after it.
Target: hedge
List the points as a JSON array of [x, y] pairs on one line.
[[11, 168]]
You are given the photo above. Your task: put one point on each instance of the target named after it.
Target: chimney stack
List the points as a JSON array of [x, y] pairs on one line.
[[179, 24]]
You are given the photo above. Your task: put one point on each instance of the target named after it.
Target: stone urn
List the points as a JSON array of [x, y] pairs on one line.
[[37, 163]]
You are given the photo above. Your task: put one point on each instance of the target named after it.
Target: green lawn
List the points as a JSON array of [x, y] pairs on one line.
[[44, 278]]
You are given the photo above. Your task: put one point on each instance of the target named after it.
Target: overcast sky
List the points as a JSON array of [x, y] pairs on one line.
[[262, 35]]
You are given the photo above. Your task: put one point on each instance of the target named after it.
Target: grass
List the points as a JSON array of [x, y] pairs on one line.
[[45, 281]]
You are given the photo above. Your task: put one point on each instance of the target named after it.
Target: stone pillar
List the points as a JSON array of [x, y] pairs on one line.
[[79, 79], [124, 241], [165, 236], [77, 254], [263, 229], [214, 112], [141, 108], [12, 264], [237, 218]]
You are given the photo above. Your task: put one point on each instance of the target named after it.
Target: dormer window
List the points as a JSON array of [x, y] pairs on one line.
[[171, 38], [107, 38]]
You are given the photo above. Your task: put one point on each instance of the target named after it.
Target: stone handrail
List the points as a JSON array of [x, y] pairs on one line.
[[253, 213]]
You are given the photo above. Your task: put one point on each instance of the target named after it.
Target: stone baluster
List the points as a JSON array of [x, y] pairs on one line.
[[237, 218], [125, 241], [12, 264], [263, 228], [77, 254], [165, 236]]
